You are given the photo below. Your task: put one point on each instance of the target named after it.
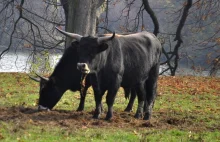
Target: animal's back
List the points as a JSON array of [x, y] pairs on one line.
[[140, 53], [66, 69]]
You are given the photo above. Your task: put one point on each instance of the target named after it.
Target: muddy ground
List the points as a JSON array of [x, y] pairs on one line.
[[74, 120]]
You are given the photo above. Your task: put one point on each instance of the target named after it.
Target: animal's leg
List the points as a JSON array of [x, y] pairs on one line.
[[82, 99], [110, 98], [98, 93], [141, 93], [131, 100], [151, 89], [98, 100], [127, 92]]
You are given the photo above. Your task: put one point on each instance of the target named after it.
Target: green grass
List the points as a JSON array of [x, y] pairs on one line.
[[176, 117]]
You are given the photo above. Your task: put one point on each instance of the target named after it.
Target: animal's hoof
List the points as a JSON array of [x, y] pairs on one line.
[[128, 110], [107, 119], [108, 116], [79, 109], [96, 116], [138, 115], [146, 117]]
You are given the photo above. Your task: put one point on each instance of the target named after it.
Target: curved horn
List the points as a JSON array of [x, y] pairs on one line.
[[44, 78], [33, 78], [74, 36], [106, 38]]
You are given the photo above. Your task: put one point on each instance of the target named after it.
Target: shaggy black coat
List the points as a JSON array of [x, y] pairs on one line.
[[65, 77], [130, 61]]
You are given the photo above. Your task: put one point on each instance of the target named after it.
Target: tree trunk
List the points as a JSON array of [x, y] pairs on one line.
[[81, 17]]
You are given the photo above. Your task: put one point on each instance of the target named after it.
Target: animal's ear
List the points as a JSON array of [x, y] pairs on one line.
[[102, 47], [75, 45], [44, 82]]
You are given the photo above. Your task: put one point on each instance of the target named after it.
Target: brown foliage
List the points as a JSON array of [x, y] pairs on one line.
[[189, 85]]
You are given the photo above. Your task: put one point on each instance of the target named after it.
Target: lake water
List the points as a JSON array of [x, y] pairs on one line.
[[19, 62], [11, 62]]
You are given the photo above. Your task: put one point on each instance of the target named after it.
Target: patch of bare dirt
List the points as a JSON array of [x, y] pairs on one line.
[[74, 120]]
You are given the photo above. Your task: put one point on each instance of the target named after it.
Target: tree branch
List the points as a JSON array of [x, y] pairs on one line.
[[14, 28], [183, 20], [152, 15], [178, 35]]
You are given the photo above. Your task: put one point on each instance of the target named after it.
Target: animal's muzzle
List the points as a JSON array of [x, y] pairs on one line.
[[83, 67]]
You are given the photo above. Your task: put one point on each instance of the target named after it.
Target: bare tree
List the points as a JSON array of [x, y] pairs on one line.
[[205, 15], [175, 53], [29, 26], [152, 15], [32, 24], [185, 16], [81, 17], [199, 19]]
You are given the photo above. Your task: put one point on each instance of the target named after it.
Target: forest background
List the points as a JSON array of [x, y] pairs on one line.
[[188, 30]]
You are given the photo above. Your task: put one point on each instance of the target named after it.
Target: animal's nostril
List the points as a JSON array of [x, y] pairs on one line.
[[81, 65]]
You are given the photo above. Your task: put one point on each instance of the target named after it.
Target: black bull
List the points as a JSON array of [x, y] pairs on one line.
[[130, 61], [66, 76]]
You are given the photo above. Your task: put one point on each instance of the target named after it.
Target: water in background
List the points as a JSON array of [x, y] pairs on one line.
[[11, 62], [19, 62]]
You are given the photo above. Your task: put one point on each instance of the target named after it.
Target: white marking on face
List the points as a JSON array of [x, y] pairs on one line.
[[83, 67]]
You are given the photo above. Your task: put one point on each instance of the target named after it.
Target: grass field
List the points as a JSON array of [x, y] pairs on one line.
[[186, 109]]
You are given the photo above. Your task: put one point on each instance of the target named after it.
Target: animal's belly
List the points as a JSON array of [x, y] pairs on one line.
[[130, 80]]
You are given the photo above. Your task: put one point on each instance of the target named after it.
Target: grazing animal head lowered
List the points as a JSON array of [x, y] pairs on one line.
[[49, 92]]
